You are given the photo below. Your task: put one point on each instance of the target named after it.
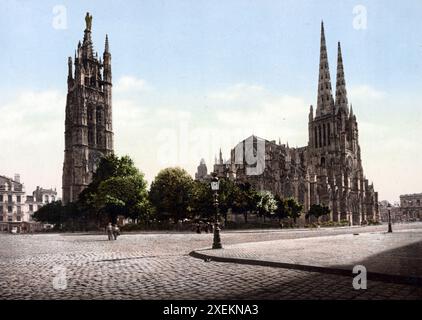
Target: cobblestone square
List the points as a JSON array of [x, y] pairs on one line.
[[158, 266]]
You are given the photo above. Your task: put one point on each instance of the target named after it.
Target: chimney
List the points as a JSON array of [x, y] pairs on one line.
[[17, 177]]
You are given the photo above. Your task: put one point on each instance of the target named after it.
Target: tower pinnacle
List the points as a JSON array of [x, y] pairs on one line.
[[325, 97], [70, 68], [106, 47]]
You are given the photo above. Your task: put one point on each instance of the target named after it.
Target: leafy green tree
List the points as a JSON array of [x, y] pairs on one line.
[[266, 204], [294, 208], [318, 211], [282, 212], [117, 188], [171, 193], [122, 195], [227, 196], [245, 199], [50, 213], [202, 201]]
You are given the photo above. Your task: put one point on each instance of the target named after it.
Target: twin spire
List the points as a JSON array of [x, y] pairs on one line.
[[341, 92], [326, 103]]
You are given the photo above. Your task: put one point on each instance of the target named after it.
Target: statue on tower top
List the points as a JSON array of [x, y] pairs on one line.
[[88, 21]]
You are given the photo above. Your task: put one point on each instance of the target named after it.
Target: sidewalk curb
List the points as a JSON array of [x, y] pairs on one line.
[[371, 276]]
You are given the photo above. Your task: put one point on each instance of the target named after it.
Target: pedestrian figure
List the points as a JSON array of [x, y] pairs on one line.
[[109, 229], [198, 228], [116, 231]]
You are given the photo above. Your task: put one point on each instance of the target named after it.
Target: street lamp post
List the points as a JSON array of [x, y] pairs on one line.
[[215, 185], [390, 229]]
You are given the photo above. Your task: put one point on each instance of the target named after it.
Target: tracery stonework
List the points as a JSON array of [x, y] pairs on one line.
[[328, 170], [88, 123]]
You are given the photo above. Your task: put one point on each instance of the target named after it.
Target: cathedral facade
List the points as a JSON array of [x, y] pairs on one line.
[[88, 122], [328, 171]]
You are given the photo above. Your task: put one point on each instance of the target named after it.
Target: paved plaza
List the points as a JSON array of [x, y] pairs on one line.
[[158, 266], [392, 257]]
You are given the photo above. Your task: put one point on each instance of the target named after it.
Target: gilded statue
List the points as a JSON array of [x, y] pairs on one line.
[[88, 21]]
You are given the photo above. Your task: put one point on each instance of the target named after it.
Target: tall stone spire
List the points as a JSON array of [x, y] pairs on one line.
[[325, 97], [341, 92]]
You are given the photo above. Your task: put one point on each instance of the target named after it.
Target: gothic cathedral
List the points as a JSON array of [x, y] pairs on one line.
[[328, 171], [88, 122]]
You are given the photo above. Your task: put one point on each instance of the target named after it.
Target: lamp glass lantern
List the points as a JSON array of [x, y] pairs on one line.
[[215, 185]]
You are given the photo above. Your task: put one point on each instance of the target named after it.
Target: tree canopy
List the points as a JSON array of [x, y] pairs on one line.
[[266, 204], [171, 193], [317, 211], [117, 188]]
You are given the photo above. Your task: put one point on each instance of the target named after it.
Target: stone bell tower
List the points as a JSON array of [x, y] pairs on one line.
[[88, 122]]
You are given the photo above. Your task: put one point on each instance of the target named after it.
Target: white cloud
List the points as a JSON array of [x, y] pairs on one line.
[[253, 109], [32, 137], [159, 129], [365, 92], [238, 91], [181, 129], [127, 84], [389, 138]]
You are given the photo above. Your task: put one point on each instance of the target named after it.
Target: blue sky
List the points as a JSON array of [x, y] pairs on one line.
[[192, 44], [204, 65]]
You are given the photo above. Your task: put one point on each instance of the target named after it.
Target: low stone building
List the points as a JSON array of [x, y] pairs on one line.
[[395, 212], [17, 208], [42, 195], [411, 206]]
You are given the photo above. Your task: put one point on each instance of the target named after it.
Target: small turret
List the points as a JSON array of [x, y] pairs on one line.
[[69, 72], [70, 69], [107, 62]]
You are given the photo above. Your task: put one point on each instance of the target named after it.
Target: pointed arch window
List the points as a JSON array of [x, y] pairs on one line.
[[319, 136], [90, 136], [100, 117], [91, 113], [324, 135]]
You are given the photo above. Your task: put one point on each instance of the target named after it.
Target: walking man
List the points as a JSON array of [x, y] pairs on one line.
[[109, 229]]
